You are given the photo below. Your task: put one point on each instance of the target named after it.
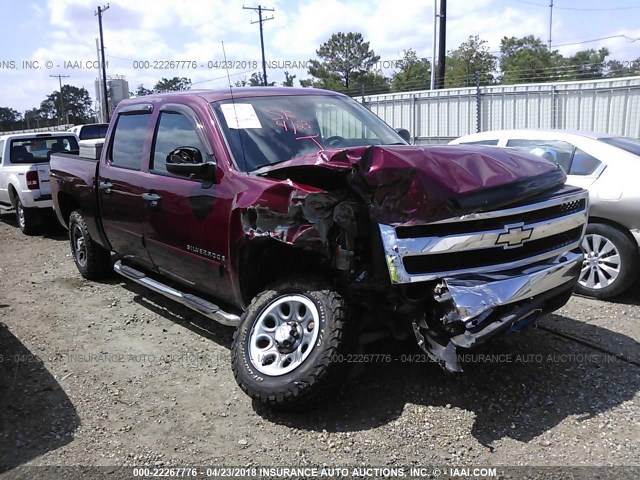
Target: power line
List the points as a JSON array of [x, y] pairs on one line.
[[261, 21], [585, 9], [220, 78], [598, 39], [60, 77]]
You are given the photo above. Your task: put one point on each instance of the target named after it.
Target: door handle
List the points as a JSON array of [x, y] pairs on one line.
[[106, 186], [152, 198]]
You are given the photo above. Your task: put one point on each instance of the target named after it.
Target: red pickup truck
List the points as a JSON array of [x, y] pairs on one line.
[[293, 214]]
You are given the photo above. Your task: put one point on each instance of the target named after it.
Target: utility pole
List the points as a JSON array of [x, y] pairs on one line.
[[261, 21], [60, 77], [433, 56], [105, 104], [442, 44], [550, 21]]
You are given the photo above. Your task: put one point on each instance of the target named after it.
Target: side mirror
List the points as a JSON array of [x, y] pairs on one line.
[[187, 162], [404, 134]]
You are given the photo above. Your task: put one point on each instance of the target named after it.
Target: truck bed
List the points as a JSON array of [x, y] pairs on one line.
[[73, 186]]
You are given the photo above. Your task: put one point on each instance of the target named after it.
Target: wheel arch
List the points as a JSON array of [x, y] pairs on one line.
[[273, 260], [618, 226], [66, 205], [13, 194]]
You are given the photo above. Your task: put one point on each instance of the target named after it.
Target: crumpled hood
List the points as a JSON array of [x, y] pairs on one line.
[[404, 184]]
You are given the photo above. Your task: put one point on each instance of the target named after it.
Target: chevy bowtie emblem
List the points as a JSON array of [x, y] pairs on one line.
[[514, 236]]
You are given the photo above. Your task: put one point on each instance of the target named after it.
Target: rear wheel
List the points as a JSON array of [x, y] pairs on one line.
[[92, 260], [287, 350], [28, 218], [610, 263]]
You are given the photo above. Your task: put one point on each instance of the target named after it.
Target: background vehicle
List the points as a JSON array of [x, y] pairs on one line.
[[90, 131], [608, 166], [24, 173], [299, 208]]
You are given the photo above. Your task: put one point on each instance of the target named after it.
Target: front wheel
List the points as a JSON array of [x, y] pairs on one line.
[[92, 260], [287, 350], [610, 263], [28, 219]]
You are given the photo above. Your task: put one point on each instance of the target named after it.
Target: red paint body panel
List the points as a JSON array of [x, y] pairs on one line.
[[196, 234]]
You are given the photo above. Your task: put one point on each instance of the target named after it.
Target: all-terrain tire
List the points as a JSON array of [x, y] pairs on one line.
[[315, 374], [92, 260]]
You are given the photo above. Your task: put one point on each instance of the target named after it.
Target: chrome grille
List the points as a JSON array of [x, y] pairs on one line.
[[486, 242]]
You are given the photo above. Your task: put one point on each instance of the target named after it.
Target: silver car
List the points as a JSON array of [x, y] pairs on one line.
[[609, 167]]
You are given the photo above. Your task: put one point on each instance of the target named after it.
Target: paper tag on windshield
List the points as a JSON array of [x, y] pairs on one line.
[[240, 115]]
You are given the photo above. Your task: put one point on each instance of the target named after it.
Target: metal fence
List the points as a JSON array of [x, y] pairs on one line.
[[437, 116], [51, 128]]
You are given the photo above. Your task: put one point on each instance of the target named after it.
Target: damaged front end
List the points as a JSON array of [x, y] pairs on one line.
[[489, 273], [466, 243]]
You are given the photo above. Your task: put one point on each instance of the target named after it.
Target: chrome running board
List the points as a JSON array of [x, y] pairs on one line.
[[194, 302]]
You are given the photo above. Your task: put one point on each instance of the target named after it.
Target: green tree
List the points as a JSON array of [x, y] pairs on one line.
[[616, 68], [371, 83], [288, 80], [471, 56], [343, 58], [9, 118], [585, 65], [141, 91], [33, 117], [172, 84], [414, 73], [256, 80], [76, 104], [528, 59], [9, 115]]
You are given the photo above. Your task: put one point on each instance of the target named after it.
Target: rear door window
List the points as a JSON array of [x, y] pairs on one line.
[[583, 163], [556, 151], [129, 139]]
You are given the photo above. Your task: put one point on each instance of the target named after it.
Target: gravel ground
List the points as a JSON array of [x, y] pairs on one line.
[[110, 374]]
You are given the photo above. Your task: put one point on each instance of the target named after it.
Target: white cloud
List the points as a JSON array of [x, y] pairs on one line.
[[194, 30]]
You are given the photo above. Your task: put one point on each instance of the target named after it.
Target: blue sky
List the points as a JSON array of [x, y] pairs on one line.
[[192, 30]]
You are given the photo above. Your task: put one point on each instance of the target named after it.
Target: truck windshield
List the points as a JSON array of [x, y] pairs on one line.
[[263, 131], [39, 149]]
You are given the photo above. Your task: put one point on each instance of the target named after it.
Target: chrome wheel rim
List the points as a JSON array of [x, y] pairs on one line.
[[20, 213], [284, 335], [602, 263], [79, 246]]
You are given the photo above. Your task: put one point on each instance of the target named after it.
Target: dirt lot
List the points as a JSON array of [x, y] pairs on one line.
[[109, 374]]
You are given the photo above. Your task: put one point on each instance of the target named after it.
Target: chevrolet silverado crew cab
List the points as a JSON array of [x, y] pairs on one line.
[[24, 173], [295, 214]]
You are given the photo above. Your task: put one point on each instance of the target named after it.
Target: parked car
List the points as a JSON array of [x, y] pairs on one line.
[[90, 131], [24, 174], [284, 212], [609, 167]]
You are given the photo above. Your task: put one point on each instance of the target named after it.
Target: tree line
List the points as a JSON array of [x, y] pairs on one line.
[[347, 63]]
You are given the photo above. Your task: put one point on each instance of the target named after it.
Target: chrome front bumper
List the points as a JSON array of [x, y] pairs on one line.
[[474, 295], [492, 304]]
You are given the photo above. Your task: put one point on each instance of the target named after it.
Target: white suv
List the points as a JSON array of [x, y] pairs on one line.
[[24, 173]]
